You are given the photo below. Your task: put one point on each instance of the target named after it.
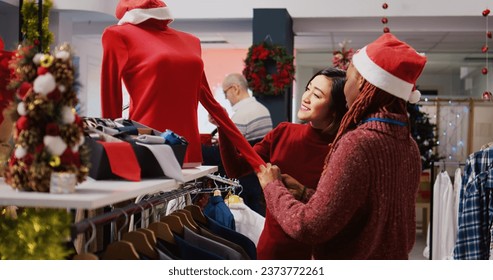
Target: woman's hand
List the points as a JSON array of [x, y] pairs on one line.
[[268, 173], [294, 187]]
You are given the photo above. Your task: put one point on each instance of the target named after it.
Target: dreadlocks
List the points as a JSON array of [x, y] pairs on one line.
[[370, 100]]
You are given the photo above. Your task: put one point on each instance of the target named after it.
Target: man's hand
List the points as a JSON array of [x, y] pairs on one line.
[[268, 173]]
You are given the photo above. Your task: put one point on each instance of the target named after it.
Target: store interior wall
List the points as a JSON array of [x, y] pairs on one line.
[[83, 27]]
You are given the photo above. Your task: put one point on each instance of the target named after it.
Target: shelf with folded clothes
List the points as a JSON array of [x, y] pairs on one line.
[[125, 149]]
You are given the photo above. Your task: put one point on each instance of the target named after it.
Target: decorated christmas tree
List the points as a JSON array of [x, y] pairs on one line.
[[48, 134], [424, 133]]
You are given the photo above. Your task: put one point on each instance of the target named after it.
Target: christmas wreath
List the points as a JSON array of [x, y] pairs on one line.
[[269, 69]]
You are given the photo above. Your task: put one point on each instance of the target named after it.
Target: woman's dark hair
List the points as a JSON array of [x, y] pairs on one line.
[[338, 100]]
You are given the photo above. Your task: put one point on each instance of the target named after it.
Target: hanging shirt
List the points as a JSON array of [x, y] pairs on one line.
[[247, 221], [476, 208], [219, 211]]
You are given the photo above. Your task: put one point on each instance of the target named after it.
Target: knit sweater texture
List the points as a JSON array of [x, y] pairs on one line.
[[364, 205], [164, 74], [299, 150]]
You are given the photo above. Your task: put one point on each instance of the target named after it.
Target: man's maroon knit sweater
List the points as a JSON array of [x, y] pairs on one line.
[[299, 150], [364, 205]]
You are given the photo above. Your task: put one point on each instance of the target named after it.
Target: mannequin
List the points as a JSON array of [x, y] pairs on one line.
[[163, 72]]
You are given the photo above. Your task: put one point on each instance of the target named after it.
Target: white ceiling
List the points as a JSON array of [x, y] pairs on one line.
[[447, 40]]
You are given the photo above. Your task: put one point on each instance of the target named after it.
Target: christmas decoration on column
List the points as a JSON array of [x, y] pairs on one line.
[[29, 29], [269, 69], [48, 133], [486, 94], [424, 133], [342, 58]]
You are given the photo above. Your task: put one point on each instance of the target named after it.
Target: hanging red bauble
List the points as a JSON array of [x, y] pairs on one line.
[[484, 48], [385, 6], [484, 70], [486, 12], [487, 96], [488, 34], [386, 30], [385, 20]]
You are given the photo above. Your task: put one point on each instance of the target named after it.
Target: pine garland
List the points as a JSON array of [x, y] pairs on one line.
[[35, 234], [29, 27]]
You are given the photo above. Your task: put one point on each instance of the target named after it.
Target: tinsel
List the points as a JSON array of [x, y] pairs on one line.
[[30, 27], [46, 120], [35, 234]]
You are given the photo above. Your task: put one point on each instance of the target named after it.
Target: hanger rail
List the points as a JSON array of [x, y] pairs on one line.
[[130, 209]]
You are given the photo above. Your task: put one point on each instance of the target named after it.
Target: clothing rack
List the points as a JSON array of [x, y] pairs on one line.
[[434, 164], [149, 201], [130, 209]]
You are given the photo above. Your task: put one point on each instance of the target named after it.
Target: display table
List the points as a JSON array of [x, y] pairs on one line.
[[94, 194]]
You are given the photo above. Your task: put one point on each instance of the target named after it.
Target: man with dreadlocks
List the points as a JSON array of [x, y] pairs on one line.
[[364, 204]]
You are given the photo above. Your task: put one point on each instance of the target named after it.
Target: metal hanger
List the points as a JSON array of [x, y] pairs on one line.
[[86, 255], [121, 249]]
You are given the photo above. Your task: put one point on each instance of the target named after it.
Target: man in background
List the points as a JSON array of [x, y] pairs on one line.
[[252, 118]]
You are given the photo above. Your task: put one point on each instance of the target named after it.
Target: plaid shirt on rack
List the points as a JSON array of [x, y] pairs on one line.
[[476, 208]]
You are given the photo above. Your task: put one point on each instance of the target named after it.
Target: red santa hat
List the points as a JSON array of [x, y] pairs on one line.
[[392, 66], [137, 11]]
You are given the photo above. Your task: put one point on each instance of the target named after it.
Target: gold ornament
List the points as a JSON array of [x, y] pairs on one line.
[[55, 161], [46, 60]]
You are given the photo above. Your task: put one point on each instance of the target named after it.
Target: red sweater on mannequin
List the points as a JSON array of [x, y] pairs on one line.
[[299, 150], [163, 72]]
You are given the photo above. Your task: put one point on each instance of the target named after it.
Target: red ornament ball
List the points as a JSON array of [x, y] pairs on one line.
[[484, 70], [36, 42], [486, 12], [484, 48], [488, 34], [385, 6], [385, 20], [42, 70], [386, 30], [487, 96]]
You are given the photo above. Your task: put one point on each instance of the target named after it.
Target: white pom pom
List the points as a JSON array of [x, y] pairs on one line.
[[62, 88], [54, 145], [21, 108], [63, 55], [37, 58], [44, 84], [68, 116], [75, 148], [20, 152], [414, 97]]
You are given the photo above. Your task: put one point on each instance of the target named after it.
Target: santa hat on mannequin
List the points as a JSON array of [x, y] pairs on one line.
[[137, 11], [392, 66]]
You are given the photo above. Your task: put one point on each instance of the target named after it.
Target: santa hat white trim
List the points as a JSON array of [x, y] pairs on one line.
[[380, 78], [136, 16]]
